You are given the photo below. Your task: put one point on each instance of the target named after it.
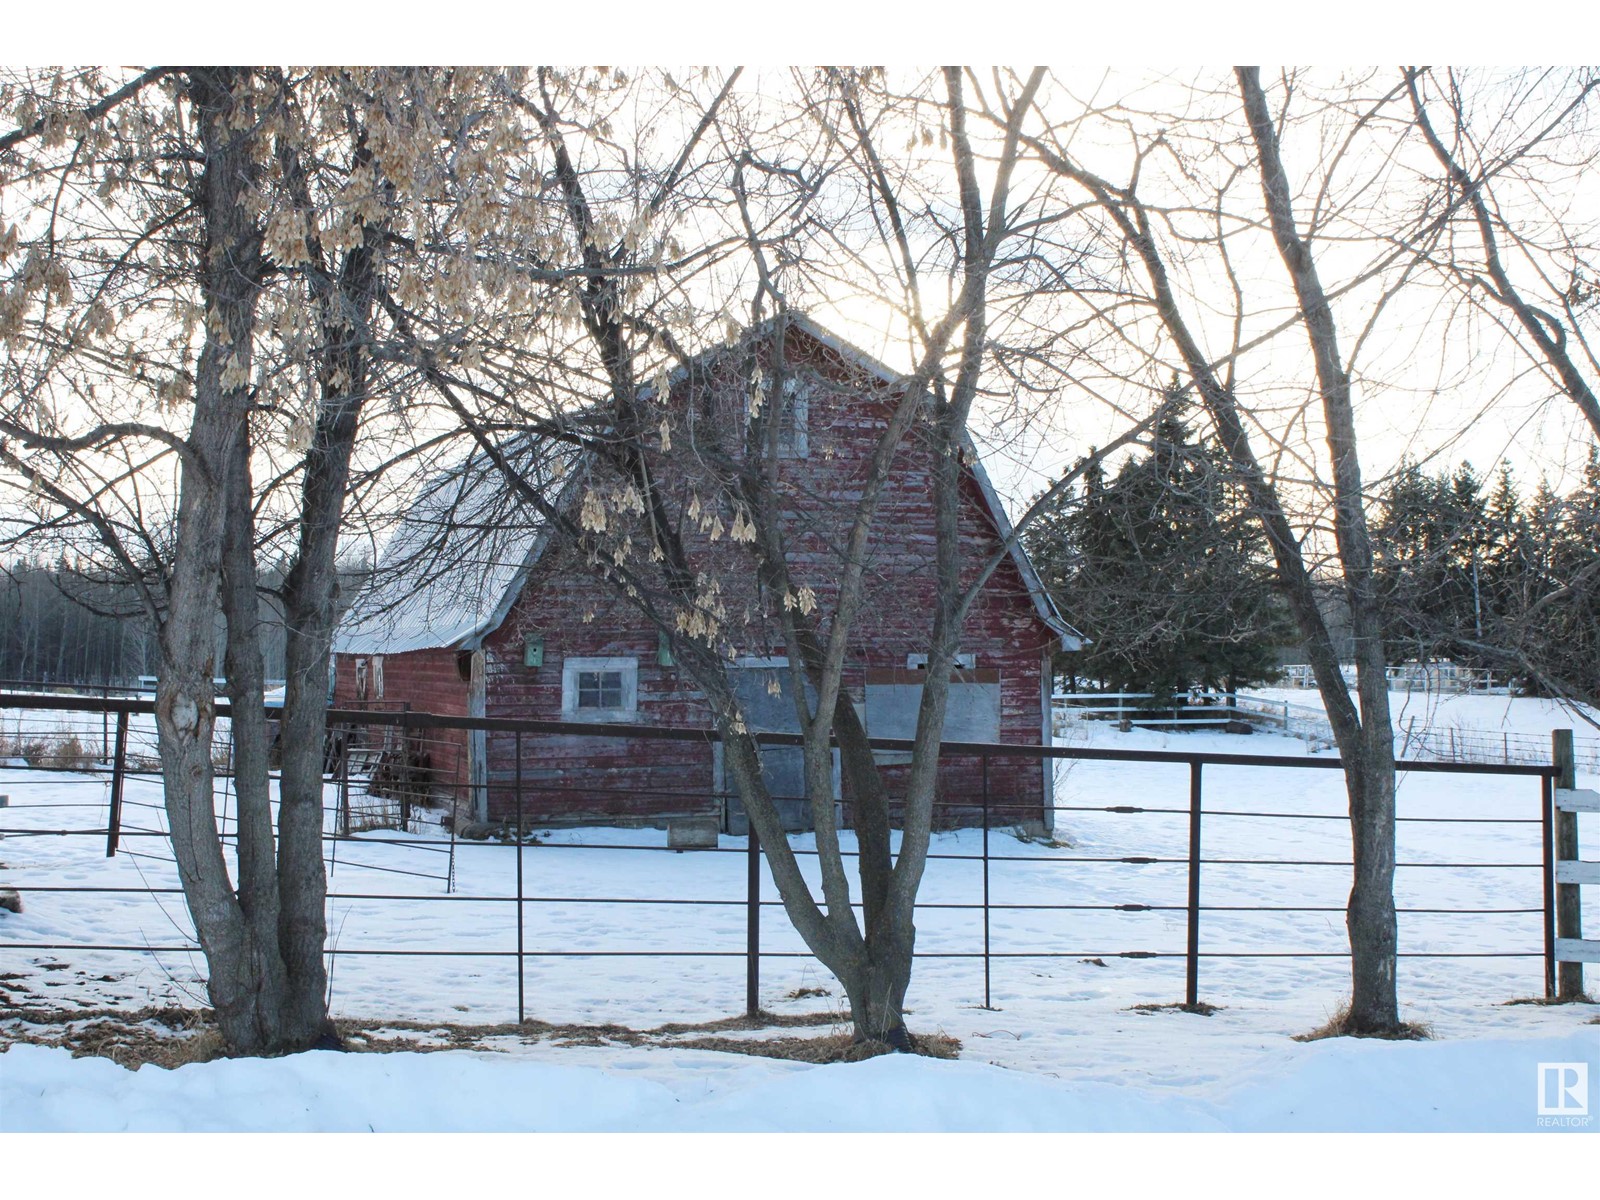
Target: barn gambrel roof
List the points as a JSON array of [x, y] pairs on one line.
[[451, 571]]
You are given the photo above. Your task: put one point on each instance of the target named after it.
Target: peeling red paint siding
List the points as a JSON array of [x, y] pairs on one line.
[[426, 681]]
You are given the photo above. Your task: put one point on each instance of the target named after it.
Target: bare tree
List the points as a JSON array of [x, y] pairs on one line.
[[1368, 749], [1187, 232], [1521, 251], [215, 241], [1535, 258], [696, 538]]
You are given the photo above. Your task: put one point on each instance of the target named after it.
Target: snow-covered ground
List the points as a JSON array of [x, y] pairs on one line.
[[1457, 726], [1344, 1085], [1442, 710], [1059, 1048]]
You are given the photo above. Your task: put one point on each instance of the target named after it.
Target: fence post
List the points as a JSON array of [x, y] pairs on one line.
[[1191, 994], [450, 873], [752, 923], [521, 995], [344, 780], [119, 774], [987, 1003], [408, 749], [1547, 795], [1569, 911]]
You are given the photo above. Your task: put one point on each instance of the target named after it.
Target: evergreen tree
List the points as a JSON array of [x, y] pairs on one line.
[[1505, 566], [1431, 544], [1165, 570], [1558, 637], [1407, 563], [1496, 582]]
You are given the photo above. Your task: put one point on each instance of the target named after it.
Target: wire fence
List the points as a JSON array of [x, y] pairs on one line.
[[1452, 744], [1173, 855], [1414, 738]]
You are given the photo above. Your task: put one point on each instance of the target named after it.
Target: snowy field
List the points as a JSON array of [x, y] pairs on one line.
[[1442, 710], [1476, 728], [1059, 1048]]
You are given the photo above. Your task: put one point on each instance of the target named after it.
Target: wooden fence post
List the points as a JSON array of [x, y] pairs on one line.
[[119, 775], [344, 781], [1569, 910]]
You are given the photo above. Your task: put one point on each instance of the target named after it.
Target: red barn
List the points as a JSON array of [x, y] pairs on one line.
[[519, 624]]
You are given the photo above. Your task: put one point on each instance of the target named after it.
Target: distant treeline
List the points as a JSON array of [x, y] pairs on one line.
[[59, 624], [1485, 577], [1165, 568], [1161, 565]]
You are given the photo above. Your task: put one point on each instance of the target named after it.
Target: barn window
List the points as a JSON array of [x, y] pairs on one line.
[[600, 689], [794, 420], [794, 417]]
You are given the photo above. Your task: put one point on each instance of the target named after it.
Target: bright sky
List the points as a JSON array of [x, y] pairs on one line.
[[726, 31], [1427, 385], [1485, 415]]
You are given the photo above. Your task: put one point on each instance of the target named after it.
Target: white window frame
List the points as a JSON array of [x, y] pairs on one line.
[[797, 400], [628, 667]]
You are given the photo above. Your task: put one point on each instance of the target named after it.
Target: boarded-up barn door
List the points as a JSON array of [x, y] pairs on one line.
[[894, 700], [782, 767]]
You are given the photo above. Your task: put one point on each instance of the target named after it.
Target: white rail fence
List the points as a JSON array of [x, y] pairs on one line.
[[1146, 709], [1436, 677]]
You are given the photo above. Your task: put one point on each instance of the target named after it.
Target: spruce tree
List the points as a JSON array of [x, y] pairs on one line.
[[1498, 583], [1165, 570]]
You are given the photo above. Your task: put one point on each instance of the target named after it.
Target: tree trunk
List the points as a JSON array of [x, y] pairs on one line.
[[310, 614], [876, 986], [257, 986], [1368, 750], [185, 702], [257, 1006], [302, 884]]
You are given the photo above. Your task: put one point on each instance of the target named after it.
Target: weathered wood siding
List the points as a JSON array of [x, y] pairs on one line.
[[427, 681], [581, 779]]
